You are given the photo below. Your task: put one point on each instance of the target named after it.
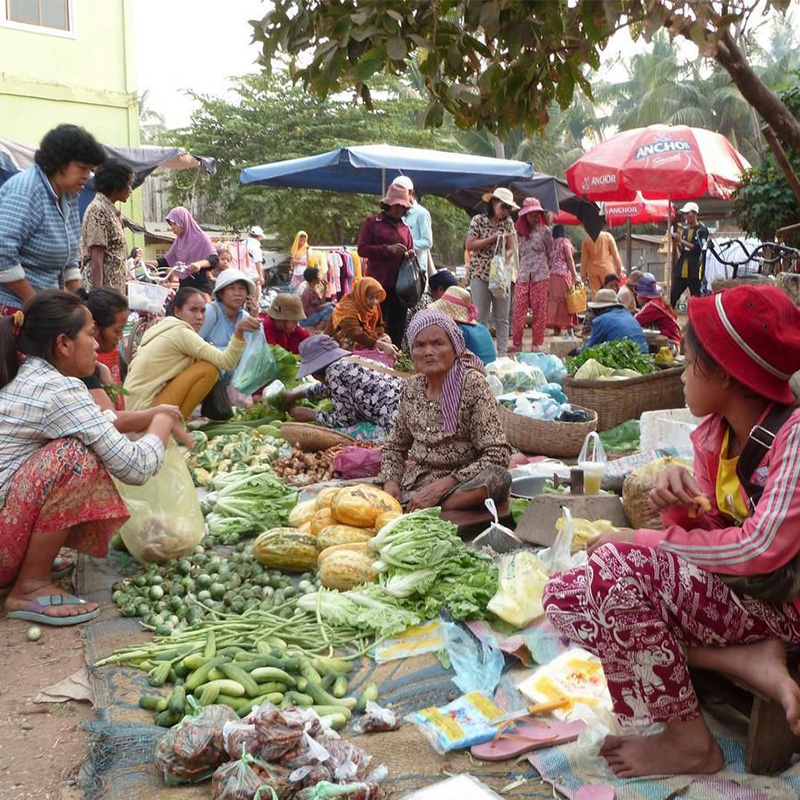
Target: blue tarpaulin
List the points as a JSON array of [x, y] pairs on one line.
[[369, 169]]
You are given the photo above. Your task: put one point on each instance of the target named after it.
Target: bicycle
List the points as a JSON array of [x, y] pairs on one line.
[[759, 262]]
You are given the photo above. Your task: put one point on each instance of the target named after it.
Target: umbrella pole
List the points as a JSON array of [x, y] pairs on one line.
[[383, 183], [629, 248], [668, 274]]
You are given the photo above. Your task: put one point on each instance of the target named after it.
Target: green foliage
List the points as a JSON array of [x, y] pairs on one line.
[[765, 202], [494, 64], [270, 120]]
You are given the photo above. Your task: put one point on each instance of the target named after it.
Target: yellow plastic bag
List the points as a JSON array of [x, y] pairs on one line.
[[520, 586], [166, 520], [585, 531]]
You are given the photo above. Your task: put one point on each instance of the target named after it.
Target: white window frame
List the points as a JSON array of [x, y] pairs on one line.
[[72, 33]]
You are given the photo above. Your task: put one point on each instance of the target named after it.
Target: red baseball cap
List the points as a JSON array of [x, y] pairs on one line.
[[753, 333]]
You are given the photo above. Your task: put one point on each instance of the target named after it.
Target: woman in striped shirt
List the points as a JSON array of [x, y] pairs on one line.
[[58, 451]]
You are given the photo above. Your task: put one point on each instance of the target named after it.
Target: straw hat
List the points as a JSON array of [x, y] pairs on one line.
[[504, 196], [605, 298], [457, 304], [397, 195]]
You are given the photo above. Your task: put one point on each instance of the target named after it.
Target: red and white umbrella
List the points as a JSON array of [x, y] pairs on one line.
[[638, 211], [663, 162]]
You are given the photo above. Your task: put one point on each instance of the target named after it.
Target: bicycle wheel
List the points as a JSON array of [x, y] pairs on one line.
[[135, 337]]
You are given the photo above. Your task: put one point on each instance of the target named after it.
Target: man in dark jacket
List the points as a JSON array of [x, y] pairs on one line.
[[688, 271]]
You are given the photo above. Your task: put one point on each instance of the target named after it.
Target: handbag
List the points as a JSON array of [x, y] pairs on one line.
[[500, 270], [576, 299], [783, 584], [410, 282], [216, 404]]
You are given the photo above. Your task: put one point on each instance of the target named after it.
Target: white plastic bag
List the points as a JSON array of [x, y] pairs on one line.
[[500, 270], [520, 586], [559, 556]]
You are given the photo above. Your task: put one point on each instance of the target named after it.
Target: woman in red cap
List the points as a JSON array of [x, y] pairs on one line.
[[718, 588], [533, 279]]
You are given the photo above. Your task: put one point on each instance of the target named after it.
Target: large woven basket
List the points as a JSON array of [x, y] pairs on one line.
[[545, 437], [618, 401], [311, 438]]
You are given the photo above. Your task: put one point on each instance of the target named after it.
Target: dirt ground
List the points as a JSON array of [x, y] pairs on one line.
[[41, 745]]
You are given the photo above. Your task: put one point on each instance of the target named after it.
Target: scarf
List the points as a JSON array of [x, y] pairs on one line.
[[297, 250], [450, 400], [192, 244], [354, 304]]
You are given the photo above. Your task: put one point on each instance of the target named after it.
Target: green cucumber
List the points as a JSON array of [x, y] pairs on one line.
[[200, 676], [339, 687], [322, 698], [240, 676], [153, 702], [177, 700], [264, 674], [209, 694], [370, 693], [158, 676], [226, 686], [166, 719], [327, 711]]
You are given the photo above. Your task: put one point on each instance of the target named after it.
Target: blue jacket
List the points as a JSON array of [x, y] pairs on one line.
[[479, 341], [616, 324]]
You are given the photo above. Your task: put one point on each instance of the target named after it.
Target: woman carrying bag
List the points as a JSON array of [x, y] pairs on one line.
[[485, 231]]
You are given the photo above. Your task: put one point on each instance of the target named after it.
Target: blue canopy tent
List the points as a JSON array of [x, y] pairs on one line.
[[369, 169]]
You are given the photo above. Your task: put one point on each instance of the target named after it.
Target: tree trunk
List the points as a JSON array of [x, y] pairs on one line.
[[768, 105], [499, 147]]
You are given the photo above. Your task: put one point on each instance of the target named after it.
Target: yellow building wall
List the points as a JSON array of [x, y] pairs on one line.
[[86, 78]]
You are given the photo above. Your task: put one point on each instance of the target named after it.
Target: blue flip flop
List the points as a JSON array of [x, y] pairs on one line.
[[34, 611]]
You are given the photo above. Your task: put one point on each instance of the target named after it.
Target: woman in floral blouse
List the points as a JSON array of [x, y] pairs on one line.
[[447, 447], [485, 231], [535, 265], [103, 255]]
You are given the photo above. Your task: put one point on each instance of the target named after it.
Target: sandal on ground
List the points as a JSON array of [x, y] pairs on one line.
[[526, 738], [62, 567], [34, 611]]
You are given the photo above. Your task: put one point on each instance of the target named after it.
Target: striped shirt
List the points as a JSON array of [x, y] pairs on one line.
[[39, 235], [41, 405]]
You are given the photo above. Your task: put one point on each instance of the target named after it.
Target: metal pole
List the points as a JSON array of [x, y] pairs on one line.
[[383, 182], [629, 248], [668, 274]]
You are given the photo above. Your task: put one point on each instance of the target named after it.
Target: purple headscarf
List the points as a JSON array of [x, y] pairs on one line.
[[192, 244], [454, 381]]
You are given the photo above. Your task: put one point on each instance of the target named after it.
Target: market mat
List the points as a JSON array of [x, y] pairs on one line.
[[121, 742], [567, 771]]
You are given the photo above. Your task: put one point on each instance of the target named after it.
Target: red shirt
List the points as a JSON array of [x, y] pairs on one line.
[[655, 315], [376, 233], [290, 342]]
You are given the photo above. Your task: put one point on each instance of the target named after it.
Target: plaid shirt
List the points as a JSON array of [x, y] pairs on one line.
[[41, 404], [38, 234]]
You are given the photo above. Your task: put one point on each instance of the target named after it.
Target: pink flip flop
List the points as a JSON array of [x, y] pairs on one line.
[[526, 738]]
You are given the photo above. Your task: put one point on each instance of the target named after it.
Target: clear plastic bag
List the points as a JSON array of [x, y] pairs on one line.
[[245, 779], [478, 663], [516, 377], [348, 791], [166, 521], [551, 365], [520, 586], [257, 366], [500, 270], [377, 720], [194, 748]]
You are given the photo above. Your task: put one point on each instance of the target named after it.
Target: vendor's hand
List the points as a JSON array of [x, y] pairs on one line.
[[387, 348], [392, 488], [609, 538], [172, 411], [288, 399], [252, 306], [396, 249], [675, 487], [247, 324], [302, 414], [430, 495], [183, 436]]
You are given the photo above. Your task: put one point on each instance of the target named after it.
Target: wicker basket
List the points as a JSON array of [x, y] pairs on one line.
[[543, 436], [618, 401], [311, 438]]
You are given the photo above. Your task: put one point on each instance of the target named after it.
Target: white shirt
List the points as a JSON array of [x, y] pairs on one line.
[[255, 257]]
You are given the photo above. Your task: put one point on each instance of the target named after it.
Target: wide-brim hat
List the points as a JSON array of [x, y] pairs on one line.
[[647, 286], [287, 307], [397, 195], [753, 333], [529, 205], [504, 196], [318, 352], [605, 298], [230, 276]]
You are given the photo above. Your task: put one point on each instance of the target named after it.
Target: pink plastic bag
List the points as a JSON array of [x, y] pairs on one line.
[[375, 355], [358, 462]]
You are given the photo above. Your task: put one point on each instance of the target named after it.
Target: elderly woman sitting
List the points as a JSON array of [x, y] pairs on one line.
[[447, 426]]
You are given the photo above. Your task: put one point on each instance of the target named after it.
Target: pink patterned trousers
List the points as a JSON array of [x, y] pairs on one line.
[[638, 608], [530, 296]]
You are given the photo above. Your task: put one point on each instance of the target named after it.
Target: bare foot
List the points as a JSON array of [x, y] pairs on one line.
[[682, 748], [21, 596], [762, 666]]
